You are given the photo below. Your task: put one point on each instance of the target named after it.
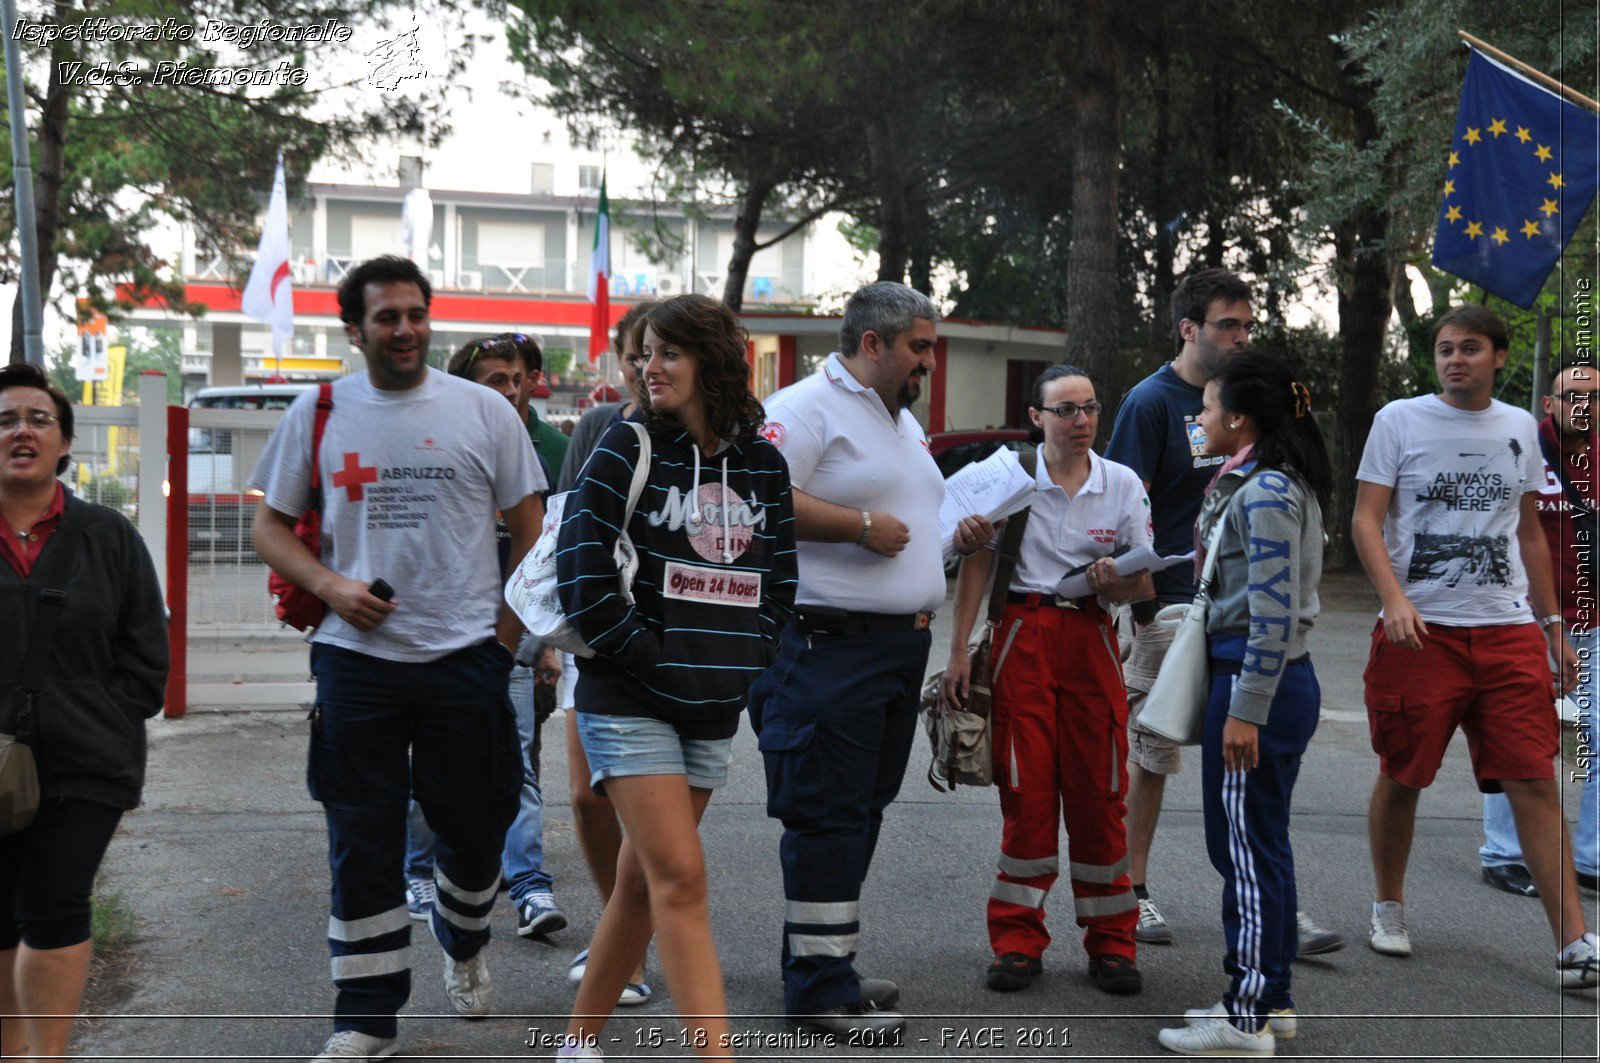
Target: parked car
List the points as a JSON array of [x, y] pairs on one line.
[[954, 451]]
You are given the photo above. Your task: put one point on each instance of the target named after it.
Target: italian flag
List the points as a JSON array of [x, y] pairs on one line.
[[600, 279]]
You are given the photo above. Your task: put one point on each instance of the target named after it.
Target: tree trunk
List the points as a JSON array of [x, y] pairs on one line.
[[751, 203], [49, 177], [1365, 301], [1166, 211], [894, 226], [1092, 259]]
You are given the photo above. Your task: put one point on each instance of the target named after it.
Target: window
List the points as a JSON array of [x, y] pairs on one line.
[[544, 178], [372, 236], [410, 172], [509, 243], [589, 178]]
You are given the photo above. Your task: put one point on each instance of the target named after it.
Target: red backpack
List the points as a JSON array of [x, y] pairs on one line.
[[299, 608]]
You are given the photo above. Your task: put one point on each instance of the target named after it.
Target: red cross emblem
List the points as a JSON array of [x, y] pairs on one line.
[[353, 475]]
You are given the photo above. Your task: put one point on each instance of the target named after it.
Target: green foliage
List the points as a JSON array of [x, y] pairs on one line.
[[557, 360], [113, 926]]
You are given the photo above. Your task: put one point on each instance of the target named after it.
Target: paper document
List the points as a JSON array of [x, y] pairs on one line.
[[1136, 560], [995, 487]]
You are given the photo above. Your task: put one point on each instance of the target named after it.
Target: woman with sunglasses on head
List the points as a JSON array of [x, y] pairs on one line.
[[1060, 713], [593, 818], [1264, 694], [75, 578], [660, 701]]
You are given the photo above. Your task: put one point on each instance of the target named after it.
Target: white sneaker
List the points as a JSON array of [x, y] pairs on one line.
[[579, 964], [1283, 1022], [574, 1049], [1389, 929], [1579, 965], [466, 983], [352, 1044], [1218, 1037], [1152, 928]]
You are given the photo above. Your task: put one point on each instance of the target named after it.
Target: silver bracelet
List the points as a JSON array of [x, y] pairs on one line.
[[866, 528], [1553, 618]]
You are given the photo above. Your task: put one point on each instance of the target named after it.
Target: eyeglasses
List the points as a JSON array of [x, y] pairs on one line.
[[1573, 397], [37, 419], [1069, 410], [1233, 324]]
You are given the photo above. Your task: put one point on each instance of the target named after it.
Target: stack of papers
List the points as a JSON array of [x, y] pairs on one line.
[[995, 487], [1076, 585]]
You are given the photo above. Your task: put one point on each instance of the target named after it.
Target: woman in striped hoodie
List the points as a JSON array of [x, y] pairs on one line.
[[676, 654]]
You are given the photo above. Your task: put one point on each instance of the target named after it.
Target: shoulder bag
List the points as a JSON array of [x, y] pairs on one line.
[[962, 751], [1175, 708], [295, 606], [532, 589], [19, 771]]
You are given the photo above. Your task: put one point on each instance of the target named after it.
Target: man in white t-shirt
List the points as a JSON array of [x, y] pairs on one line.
[[837, 712], [411, 692], [1447, 527]]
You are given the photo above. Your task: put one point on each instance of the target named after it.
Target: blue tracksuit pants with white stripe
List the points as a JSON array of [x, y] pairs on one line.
[[381, 731], [1247, 834]]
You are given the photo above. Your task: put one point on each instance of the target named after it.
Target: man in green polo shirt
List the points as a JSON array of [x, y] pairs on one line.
[[550, 441]]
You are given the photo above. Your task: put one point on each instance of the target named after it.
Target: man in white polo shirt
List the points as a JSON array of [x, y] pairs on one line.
[[837, 711]]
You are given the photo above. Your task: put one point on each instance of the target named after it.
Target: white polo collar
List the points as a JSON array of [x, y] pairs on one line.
[[1094, 485]]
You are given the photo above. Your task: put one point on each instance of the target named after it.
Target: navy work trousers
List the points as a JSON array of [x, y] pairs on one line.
[[835, 717], [381, 728]]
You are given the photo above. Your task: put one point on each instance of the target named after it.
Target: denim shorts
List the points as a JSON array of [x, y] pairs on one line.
[[639, 745]]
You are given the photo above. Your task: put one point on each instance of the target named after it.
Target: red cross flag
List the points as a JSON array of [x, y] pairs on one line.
[[269, 294]]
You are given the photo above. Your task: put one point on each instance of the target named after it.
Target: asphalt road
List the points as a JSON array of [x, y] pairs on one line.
[[225, 868]]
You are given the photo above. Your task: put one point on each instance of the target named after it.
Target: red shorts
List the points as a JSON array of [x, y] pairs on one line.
[[1492, 682]]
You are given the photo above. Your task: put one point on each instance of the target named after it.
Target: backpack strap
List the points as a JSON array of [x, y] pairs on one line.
[[324, 408], [1011, 546]]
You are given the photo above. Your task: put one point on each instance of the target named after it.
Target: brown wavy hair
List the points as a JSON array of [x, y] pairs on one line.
[[711, 333]]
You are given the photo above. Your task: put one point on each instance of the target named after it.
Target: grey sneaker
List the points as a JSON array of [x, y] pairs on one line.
[[1316, 940], [538, 915], [466, 984], [1153, 928], [420, 897], [352, 1044], [1283, 1023], [1389, 934]]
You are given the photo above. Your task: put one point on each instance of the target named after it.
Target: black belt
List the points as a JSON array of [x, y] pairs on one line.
[[820, 620], [1022, 598]]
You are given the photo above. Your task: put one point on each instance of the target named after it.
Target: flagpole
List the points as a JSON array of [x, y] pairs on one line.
[[1542, 78]]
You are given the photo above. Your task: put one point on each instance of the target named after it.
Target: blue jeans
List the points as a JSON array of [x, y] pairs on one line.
[[1501, 845], [523, 859]]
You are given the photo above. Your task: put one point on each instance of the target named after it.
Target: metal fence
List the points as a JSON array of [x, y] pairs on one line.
[[227, 581]]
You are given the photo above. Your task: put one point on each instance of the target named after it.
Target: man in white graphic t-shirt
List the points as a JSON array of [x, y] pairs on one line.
[[1447, 527], [411, 692]]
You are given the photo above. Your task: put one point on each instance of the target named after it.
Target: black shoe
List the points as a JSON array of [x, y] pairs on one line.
[[860, 1022], [1014, 970], [1115, 974], [879, 992], [1513, 878], [1588, 882]]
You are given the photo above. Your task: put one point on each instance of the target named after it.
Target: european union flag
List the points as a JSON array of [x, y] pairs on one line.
[[1522, 172]]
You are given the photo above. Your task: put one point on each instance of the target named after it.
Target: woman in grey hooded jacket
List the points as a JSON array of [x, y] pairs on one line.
[[1264, 695]]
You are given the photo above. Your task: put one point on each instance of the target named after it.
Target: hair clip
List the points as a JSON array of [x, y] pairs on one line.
[[1302, 398]]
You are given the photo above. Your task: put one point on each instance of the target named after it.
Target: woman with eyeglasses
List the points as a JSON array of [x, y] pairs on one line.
[[1060, 714], [660, 701], [1264, 695], [85, 666]]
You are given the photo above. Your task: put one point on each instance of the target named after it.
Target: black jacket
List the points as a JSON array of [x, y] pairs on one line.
[[107, 669]]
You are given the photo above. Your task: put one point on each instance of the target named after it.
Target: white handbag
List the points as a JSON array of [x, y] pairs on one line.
[[1175, 708], [532, 589]]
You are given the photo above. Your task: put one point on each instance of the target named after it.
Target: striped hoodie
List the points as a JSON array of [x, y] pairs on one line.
[[716, 578]]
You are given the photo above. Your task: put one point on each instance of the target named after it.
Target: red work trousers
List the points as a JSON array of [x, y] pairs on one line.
[[1060, 740]]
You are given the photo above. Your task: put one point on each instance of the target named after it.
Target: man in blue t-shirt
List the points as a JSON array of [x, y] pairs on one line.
[[1158, 435]]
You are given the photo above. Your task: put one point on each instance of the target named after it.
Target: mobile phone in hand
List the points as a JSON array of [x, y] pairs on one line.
[[381, 589]]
